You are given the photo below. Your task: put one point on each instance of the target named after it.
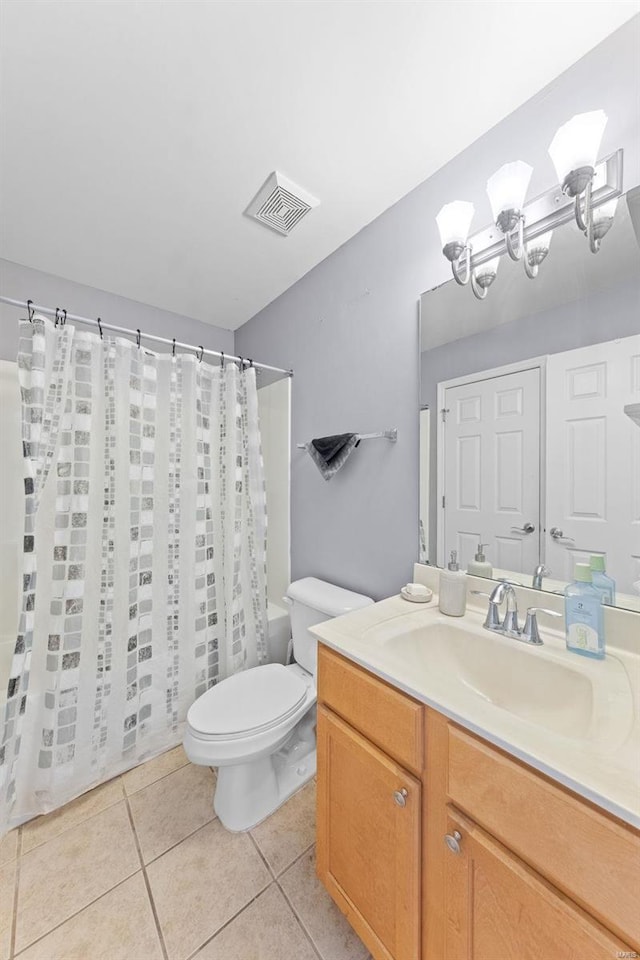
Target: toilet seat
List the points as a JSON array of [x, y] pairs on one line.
[[247, 703]]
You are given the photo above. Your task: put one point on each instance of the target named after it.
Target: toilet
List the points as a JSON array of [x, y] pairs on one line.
[[258, 726]]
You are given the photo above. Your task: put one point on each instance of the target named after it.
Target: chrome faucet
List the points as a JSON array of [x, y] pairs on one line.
[[539, 572], [509, 625], [530, 632]]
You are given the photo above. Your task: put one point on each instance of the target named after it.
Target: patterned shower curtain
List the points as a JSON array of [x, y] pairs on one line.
[[144, 556]]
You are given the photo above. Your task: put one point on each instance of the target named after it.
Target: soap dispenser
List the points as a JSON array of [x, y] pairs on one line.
[[452, 599], [480, 566]]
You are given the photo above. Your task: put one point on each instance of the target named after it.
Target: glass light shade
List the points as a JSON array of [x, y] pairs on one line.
[[577, 142], [543, 242], [508, 186], [454, 221], [490, 268], [607, 209]]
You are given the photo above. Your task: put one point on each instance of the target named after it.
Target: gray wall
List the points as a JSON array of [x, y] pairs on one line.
[[604, 316], [349, 329], [23, 283]]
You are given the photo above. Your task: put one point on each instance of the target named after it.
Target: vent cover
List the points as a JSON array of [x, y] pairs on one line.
[[280, 204]]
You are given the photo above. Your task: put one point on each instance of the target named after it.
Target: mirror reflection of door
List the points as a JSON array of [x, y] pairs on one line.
[[593, 457], [490, 477]]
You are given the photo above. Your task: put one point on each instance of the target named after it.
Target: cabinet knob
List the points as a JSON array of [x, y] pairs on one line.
[[453, 842], [400, 797]]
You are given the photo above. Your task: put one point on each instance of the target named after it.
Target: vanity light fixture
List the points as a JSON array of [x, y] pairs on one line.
[[588, 190], [483, 276], [535, 252], [507, 189], [574, 150], [453, 222]]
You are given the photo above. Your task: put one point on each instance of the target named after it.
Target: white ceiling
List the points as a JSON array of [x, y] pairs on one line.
[[134, 134]]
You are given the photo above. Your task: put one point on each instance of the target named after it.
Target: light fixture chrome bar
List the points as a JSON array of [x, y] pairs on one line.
[[382, 435], [92, 321], [549, 211]]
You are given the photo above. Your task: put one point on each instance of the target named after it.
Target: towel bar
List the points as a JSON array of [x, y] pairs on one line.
[[382, 435]]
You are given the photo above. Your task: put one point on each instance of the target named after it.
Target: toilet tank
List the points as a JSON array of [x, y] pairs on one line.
[[312, 601]]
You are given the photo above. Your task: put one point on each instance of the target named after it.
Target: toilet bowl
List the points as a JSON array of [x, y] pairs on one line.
[[258, 726]]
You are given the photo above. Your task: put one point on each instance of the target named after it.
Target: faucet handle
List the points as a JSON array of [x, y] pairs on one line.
[[530, 631]]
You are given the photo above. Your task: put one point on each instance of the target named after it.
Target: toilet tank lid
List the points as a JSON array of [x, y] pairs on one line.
[[326, 597]]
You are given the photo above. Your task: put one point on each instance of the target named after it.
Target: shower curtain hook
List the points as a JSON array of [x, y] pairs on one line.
[[250, 363], [138, 336], [222, 359], [201, 349], [63, 323], [100, 327], [57, 316], [173, 348], [30, 310]]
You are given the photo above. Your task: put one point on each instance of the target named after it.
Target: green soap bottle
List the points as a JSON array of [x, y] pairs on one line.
[[605, 584]]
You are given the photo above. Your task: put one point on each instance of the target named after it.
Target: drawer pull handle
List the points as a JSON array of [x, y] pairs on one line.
[[453, 842], [400, 797]]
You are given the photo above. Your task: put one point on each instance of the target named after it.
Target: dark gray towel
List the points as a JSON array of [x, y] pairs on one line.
[[330, 453]]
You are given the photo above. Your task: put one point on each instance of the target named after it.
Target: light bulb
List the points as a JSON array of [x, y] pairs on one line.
[[577, 142], [508, 186]]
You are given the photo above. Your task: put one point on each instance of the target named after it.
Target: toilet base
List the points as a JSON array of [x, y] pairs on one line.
[[247, 793]]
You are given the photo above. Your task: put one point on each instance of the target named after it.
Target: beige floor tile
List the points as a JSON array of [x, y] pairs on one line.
[[51, 825], [9, 846], [169, 810], [266, 930], [330, 932], [153, 770], [118, 926], [7, 887], [289, 831], [202, 883], [60, 877]]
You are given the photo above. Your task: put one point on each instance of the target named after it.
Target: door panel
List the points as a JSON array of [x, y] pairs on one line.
[[492, 471], [368, 843], [497, 907], [593, 460]]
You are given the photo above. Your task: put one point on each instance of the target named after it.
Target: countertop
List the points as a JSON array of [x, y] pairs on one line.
[[603, 771]]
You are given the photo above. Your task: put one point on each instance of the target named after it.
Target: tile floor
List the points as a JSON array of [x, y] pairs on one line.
[[141, 869]]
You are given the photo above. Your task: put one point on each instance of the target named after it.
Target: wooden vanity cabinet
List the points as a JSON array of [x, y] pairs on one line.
[[369, 815], [497, 908], [438, 846]]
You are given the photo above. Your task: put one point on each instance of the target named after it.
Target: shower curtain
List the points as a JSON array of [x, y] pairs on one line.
[[144, 556]]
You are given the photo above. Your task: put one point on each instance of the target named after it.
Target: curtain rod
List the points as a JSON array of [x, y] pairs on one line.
[[53, 312]]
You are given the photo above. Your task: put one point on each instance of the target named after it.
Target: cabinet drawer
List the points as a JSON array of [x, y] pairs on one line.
[[390, 719], [592, 858]]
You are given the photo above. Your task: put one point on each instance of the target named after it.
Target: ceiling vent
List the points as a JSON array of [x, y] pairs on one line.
[[280, 204]]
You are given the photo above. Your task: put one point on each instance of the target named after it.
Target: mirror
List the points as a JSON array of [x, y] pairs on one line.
[[530, 415]]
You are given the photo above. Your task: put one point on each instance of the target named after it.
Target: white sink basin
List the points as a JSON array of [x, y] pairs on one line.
[[546, 686]]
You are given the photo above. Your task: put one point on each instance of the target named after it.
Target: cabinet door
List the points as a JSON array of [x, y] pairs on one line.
[[369, 839], [497, 907]]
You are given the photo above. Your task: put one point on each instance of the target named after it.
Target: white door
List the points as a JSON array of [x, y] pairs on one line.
[[491, 471], [593, 460]]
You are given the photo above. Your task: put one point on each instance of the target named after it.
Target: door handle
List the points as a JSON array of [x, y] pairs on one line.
[[556, 534], [527, 527]]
